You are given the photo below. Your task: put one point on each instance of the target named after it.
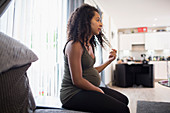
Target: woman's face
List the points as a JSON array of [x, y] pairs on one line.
[[96, 24]]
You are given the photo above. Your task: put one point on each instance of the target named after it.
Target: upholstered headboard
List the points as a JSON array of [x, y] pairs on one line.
[[3, 6]]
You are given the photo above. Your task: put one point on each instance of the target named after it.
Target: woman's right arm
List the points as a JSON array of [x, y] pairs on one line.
[[74, 52]]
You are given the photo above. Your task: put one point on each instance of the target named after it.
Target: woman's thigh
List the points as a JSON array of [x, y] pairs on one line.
[[115, 94], [92, 101]]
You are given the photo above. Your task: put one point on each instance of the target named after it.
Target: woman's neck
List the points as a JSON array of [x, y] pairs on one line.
[[88, 41]]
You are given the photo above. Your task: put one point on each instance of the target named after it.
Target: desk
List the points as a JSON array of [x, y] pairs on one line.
[[135, 74]]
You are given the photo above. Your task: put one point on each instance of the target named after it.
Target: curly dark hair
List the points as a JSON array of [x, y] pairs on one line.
[[79, 26]]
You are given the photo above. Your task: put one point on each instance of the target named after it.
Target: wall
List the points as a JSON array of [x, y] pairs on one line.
[[110, 31]]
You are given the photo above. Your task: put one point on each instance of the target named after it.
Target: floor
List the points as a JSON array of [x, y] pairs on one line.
[[159, 94]]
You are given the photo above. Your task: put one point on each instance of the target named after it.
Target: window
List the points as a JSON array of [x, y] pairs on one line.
[[41, 26]]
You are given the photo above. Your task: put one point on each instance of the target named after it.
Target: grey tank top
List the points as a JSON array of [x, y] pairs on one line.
[[88, 72]]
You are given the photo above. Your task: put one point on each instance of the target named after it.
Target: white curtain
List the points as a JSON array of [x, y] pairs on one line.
[[41, 26], [73, 5]]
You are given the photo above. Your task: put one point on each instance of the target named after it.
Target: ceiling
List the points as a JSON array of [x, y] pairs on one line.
[[138, 13]]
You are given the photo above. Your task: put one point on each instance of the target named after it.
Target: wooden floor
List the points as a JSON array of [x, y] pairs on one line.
[[159, 94]]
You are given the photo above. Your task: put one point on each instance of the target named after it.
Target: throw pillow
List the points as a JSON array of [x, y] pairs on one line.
[[15, 92], [13, 53]]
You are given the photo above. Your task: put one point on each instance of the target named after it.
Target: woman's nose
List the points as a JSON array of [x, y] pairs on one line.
[[101, 25]]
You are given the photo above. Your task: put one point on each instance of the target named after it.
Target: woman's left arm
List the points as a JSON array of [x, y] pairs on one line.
[[112, 56]]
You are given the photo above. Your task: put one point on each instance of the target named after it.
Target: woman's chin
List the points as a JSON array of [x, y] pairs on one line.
[[97, 33]]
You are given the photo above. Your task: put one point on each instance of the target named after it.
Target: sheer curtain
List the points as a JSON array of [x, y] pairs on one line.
[[41, 26], [72, 5]]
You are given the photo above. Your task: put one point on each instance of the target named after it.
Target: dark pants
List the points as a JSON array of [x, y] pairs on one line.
[[93, 101]]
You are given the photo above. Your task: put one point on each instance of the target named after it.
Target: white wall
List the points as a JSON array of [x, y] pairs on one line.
[[109, 27]]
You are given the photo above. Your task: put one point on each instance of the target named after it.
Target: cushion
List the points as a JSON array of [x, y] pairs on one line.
[[3, 6], [13, 53], [15, 92]]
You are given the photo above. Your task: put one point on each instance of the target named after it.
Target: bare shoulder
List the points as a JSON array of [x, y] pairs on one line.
[[74, 48]]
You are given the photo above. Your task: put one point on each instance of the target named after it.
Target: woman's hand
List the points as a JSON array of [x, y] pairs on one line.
[[112, 55], [99, 90]]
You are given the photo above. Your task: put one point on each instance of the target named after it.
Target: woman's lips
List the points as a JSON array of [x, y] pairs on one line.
[[99, 29]]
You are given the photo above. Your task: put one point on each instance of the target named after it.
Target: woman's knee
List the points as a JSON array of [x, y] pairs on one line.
[[126, 100], [126, 109]]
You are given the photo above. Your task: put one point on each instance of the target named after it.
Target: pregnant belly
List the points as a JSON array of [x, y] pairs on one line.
[[92, 76]]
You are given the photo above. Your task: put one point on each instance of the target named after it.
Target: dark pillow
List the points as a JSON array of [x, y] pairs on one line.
[[15, 92]]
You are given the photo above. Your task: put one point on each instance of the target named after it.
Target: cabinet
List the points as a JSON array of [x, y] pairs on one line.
[[127, 40], [160, 69], [138, 38], [157, 41], [152, 41]]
